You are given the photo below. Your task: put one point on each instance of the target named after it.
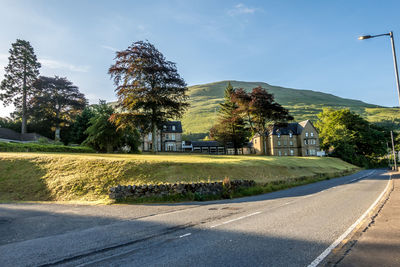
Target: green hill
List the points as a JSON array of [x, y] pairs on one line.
[[302, 104]]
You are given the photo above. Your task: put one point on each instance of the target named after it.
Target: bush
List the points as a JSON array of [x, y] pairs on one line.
[[36, 147]]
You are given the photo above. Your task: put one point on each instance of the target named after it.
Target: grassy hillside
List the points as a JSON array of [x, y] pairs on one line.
[[302, 104], [87, 177]]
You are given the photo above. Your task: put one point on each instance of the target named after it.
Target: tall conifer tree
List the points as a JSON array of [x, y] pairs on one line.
[[20, 73]]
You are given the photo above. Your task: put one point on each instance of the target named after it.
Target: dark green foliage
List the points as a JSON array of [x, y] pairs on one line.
[[149, 88], [104, 136], [34, 147], [351, 137], [231, 128], [56, 101], [82, 121], [20, 73]]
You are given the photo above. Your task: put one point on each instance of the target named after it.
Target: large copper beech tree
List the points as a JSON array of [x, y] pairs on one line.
[[149, 89]]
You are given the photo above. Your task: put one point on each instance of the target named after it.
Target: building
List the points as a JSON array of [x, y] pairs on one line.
[[293, 139], [169, 138]]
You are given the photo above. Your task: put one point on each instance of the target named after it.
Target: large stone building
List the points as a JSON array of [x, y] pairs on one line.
[[169, 138], [294, 139]]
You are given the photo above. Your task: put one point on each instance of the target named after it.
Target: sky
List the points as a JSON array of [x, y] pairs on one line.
[[297, 44]]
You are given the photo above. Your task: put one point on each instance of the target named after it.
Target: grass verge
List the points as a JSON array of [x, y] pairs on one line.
[[88, 177]]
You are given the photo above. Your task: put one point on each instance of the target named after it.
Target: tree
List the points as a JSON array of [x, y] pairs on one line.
[[20, 73], [57, 100], [148, 86], [103, 135], [260, 110], [231, 127], [79, 126], [351, 137]]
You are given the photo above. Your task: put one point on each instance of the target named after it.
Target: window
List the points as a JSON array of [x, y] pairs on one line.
[[306, 152], [165, 127], [285, 153], [172, 136], [306, 134], [279, 143], [290, 135], [173, 127], [291, 142], [166, 136], [279, 135], [255, 141], [279, 153], [284, 142], [291, 152], [305, 141], [312, 134], [150, 136]]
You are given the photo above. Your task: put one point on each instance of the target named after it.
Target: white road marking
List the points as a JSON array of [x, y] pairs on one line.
[[326, 252], [233, 220], [362, 177], [188, 234]]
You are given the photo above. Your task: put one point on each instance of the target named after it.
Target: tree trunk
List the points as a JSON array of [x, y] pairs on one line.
[[154, 139], [265, 145], [23, 126], [57, 133], [109, 148]]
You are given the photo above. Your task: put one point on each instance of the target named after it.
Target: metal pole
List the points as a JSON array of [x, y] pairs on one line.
[[394, 153], [396, 71]]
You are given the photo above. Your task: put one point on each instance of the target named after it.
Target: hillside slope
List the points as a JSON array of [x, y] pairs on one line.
[[302, 104]]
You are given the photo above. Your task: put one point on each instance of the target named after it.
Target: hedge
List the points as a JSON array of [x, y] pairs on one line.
[[34, 147]]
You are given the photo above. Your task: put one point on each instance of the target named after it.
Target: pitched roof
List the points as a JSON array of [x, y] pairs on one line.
[[295, 128], [206, 143], [168, 127]]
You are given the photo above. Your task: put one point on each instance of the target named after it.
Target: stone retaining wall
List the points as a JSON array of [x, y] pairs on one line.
[[136, 191]]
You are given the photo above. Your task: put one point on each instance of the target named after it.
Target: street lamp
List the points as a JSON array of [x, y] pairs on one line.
[[396, 71]]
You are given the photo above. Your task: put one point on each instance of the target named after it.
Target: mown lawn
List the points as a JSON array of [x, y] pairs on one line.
[[87, 177]]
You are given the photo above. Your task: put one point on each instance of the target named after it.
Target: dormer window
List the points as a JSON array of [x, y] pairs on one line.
[[173, 127], [306, 134], [279, 135], [290, 135]]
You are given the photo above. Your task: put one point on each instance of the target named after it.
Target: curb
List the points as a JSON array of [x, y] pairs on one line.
[[341, 250]]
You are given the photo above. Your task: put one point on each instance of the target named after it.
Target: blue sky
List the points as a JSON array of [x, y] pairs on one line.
[[298, 44]]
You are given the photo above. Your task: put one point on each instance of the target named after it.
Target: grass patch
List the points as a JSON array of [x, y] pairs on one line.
[[88, 177]]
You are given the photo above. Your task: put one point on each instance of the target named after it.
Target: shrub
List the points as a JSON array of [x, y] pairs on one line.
[[36, 147]]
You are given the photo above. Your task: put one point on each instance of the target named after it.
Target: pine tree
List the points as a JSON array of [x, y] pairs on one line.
[[20, 73], [231, 127]]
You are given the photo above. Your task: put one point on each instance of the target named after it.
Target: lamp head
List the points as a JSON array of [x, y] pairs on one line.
[[364, 37]]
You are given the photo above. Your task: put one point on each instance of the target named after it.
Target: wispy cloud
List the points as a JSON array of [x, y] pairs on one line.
[[55, 64], [109, 48], [242, 9]]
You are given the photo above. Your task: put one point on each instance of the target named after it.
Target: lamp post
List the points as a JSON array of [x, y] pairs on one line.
[[396, 71]]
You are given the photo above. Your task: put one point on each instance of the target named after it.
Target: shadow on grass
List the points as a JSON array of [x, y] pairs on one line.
[[21, 180]]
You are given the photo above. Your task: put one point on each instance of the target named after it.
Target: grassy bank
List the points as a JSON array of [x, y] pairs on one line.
[[87, 177]]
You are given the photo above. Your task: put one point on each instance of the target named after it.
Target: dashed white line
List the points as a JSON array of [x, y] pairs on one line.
[[237, 219], [188, 234], [326, 252]]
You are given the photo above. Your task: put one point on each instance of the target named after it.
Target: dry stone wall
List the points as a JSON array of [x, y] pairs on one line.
[[121, 192]]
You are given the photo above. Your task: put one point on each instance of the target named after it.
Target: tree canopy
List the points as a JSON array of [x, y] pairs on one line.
[[351, 137], [148, 87], [57, 100], [231, 127], [20, 74]]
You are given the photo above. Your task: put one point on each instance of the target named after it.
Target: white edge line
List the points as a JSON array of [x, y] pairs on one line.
[[248, 215], [188, 234], [326, 252]]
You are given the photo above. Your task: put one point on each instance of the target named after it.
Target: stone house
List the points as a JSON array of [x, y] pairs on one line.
[[169, 138], [294, 139]]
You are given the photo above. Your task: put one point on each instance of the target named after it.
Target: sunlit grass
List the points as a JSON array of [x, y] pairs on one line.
[[87, 177]]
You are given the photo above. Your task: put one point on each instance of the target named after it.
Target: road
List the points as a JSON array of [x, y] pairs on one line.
[[286, 228]]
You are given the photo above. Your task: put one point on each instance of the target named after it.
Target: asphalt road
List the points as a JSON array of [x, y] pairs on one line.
[[286, 228]]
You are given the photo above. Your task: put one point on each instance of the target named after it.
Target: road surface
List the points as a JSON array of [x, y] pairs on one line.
[[286, 228]]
